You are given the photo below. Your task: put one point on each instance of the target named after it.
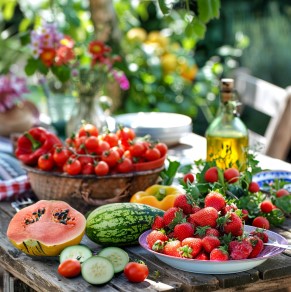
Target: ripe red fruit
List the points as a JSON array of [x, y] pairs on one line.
[[183, 230], [184, 202], [231, 175], [219, 254], [210, 242], [261, 222], [266, 206], [203, 256], [257, 245], [215, 200], [172, 248], [233, 225], [158, 223], [171, 214], [240, 249], [281, 193], [194, 243], [245, 215], [254, 187], [261, 234], [189, 177], [155, 235], [211, 174], [205, 216]]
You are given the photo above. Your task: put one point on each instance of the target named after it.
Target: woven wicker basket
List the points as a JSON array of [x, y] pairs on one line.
[[86, 192]]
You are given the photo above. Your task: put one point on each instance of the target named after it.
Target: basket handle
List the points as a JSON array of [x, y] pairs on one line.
[[86, 193]]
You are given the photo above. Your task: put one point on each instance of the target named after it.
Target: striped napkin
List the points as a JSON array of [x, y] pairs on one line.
[[13, 179]]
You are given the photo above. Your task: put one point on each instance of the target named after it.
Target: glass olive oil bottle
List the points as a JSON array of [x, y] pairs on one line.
[[227, 136]]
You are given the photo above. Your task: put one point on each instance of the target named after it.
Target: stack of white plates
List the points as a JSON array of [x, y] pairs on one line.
[[165, 127]]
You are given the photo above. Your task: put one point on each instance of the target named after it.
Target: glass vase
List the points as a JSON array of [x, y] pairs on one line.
[[87, 109]]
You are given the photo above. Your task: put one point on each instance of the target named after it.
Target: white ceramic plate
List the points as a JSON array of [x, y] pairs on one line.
[[165, 127], [219, 267], [267, 177]]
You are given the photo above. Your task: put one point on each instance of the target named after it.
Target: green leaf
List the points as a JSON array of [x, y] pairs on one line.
[[9, 9], [42, 68], [24, 24], [31, 66], [199, 28], [63, 73], [164, 8], [169, 173], [208, 9]]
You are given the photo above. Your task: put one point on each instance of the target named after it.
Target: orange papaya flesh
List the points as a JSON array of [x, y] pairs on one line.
[[46, 228]]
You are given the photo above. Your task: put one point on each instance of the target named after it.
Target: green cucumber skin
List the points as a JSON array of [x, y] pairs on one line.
[[120, 224]]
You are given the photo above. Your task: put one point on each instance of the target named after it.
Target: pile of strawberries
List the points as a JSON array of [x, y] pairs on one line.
[[214, 232]]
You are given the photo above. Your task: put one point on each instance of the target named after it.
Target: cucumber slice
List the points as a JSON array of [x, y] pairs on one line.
[[117, 256], [79, 252], [97, 270]]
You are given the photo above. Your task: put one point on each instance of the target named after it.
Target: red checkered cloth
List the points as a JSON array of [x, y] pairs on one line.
[[13, 179], [12, 187]]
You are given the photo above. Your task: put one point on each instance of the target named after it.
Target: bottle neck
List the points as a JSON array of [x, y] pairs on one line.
[[228, 103]]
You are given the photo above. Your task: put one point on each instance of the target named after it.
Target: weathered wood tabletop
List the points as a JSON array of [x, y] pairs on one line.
[[41, 273]]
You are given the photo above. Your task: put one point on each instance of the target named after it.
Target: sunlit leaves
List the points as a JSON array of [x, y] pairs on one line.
[[208, 9]]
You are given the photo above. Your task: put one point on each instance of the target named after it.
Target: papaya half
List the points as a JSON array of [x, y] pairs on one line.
[[46, 228]]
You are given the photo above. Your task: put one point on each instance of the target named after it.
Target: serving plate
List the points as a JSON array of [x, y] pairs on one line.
[[219, 267], [265, 178], [165, 127]]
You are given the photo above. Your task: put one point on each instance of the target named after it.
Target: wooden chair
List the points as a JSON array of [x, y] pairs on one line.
[[266, 111]]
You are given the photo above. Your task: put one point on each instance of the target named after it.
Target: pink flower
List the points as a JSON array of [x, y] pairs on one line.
[[121, 78]]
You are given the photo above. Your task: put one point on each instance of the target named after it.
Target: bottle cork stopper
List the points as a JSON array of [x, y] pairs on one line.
[[226, 88]]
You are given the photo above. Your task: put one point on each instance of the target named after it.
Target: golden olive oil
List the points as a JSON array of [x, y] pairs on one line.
[[227, 151]]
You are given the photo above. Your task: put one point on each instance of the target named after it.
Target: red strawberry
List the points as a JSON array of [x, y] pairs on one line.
[[231, 175], [210, 242], [189, 177], [261, 234], [173, 215], [233, 224], [194, 243], [202, 256], [254, 187], [266, 206], [281, 193], [205, 216], [245, 214], [172, 248], [229, 208], [159, 245], [241, 250], [257, 245], [158, 223], [219, 254], [195, 209], [232, 245], [211, 174], [184, 202], [213, 232], [185, 251], [215, 200], [202, 231], [155, 235], [261, 222], [183, 230]]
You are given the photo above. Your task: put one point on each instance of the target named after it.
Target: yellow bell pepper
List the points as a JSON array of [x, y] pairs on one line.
[[158, 196]]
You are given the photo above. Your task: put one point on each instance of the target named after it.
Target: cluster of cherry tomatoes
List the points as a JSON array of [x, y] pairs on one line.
[[90, 152]]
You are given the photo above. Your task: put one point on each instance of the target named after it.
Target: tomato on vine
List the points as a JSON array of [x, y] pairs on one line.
[[136, 271], [88, 130], [46, 162], [162, 147], [124, 165], [110, 157], [152, 154], [101, 168], [73, 166], [61, 155]]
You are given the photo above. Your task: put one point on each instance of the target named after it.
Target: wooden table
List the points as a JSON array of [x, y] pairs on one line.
[[41, 273]]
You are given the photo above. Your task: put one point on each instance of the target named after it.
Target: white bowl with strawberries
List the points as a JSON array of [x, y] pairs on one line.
[[211, 240]]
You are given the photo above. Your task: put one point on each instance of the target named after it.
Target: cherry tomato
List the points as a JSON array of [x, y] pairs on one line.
[[111, 139], [120, 150], [69, 268], [136, 272], [125, 135], [110, 157], [88, 130], [137, 149], [103, 146], [85, 159], [163, 148], [46, 162], [61, 155], [124, 165], [101, 168], [88, 169], [152, 154], [73, 166], [92, 143]]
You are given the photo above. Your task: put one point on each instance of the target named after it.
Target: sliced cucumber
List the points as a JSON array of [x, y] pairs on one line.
[[97, 270], [79, 252], [117, 256]]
